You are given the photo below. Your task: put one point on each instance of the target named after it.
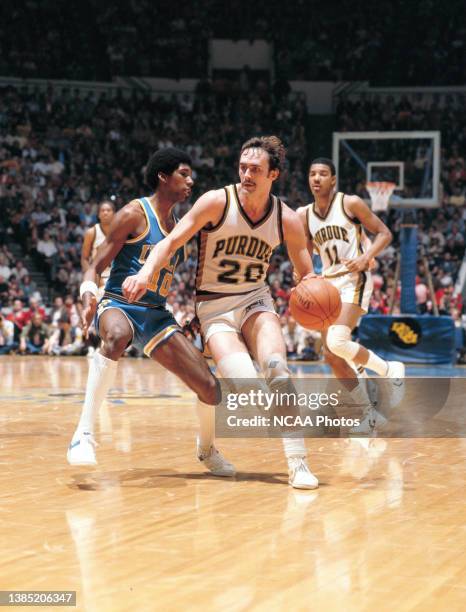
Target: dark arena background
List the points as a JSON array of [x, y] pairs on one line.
[[89, 91]]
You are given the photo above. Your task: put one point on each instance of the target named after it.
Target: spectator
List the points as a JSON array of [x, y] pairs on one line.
[[5, 270], [34, 338], [19, 270], [34, 308], [7, 336], [18, 315], [67, 339]]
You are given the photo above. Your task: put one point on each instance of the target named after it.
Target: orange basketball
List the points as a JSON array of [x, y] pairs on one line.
[[315, 304]]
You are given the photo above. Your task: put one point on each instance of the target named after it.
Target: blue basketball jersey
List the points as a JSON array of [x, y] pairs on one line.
[[132, 256]]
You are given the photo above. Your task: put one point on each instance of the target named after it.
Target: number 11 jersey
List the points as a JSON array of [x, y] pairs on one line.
[[335, 236], [234, 255]]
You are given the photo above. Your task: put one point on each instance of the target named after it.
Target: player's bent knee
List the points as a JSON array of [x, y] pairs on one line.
[[211, 393], [339, 342], [116, 339], [330, 358]]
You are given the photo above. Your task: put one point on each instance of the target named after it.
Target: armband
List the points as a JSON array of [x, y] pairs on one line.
[[88, 286]]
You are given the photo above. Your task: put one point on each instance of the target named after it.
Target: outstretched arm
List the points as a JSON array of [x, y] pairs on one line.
[[207, 209], [296, 243]]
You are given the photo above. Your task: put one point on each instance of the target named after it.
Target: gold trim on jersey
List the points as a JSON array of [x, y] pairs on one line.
[[308, 222], [318, 215], [359, 240], [352, 220], [205, 296], [165, 233], [280, 220], [244, 214], [146, 231], [160, 337], [201, 258], [359, 291], [224, 215]]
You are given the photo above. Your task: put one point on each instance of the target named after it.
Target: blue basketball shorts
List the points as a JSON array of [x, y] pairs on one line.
[[151, 326]]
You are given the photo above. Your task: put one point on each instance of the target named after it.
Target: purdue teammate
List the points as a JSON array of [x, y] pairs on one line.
[[239, 226], [94, 238], [135, 230], [334, 224]]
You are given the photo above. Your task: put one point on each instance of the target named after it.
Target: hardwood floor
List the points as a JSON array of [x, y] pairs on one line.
[[147, 529]]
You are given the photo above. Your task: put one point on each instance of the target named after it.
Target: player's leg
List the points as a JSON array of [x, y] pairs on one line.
[[337, 340], [220, 330], [264, 339], [116, 333], [355, 295], [178, 355]]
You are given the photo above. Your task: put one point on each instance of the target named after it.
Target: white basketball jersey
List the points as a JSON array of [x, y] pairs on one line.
[[99, 239], [335, 236], [233, 256]]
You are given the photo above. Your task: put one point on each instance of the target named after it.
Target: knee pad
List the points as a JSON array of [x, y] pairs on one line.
[[275, 366], [339, 342]]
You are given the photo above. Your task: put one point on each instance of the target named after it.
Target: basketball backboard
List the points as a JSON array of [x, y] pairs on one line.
[[411, 160]]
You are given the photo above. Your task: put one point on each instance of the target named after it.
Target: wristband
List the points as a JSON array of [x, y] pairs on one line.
[[88, 286]]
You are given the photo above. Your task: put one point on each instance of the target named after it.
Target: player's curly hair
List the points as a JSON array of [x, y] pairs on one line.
[[272, 145], [166, 161]]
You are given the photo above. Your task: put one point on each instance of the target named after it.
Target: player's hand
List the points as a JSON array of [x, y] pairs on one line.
[[88, 312], [297, 279], [134, 287], [360, 264], [310, 275]]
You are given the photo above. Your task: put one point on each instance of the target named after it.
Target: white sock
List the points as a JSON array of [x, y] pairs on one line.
[[206, 416], [359, 395], [360, 371], [377, 364], [102, 373], [294, 447]]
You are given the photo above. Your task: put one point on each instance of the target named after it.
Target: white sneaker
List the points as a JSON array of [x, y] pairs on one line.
[[215, 462], [300, 476], [371, 419], [396, 374], [82, 450]]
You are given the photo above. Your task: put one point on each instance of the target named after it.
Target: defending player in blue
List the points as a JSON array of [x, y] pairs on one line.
[[146, 324]]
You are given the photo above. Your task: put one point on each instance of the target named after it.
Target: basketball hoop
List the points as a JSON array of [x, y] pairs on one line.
[[380, 193]]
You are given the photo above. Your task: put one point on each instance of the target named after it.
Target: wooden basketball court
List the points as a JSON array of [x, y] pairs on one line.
[[147, 529]]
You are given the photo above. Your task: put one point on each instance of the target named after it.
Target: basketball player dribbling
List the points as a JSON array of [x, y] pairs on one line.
[[239, 226], [94, 238], [334, 224], [134, 231]]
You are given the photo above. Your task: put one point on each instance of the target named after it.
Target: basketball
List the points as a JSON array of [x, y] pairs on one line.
[[315, 304]]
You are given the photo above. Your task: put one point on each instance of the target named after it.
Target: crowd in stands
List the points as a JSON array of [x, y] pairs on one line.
[[386, 42], [62, 152]]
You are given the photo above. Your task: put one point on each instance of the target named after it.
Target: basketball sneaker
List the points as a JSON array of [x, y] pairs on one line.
[[395, 376], [82, 450], [214, 461], [370, 421], [300, 476]]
